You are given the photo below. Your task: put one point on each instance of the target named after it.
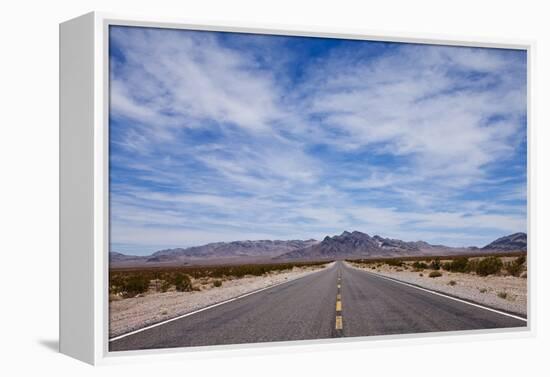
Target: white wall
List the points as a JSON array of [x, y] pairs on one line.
[[29, 189]]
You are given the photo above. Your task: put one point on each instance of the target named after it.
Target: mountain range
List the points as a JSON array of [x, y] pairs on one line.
[[516, 241], [238, 251], [344, 246]]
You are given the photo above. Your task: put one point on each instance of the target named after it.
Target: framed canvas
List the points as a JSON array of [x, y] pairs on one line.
[[225, 187]]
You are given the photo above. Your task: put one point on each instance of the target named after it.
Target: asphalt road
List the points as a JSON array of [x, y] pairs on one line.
[[338, 301]]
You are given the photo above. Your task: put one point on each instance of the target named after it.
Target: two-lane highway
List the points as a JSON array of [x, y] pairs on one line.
[[337, 301]]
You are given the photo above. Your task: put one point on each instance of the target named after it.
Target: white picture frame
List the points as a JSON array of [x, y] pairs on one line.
[[84, 206]]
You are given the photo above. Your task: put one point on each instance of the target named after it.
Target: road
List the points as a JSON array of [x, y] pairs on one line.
[[339, 301]]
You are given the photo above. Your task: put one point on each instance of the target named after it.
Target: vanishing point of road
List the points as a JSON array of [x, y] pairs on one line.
[[339, 301]]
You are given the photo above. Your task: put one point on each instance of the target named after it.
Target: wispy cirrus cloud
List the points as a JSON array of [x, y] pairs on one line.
[[220, 136]]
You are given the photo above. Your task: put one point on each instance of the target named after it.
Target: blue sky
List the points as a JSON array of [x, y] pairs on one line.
[[227, 136]]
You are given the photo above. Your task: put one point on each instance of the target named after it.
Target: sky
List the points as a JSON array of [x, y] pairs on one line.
[[227, 136]]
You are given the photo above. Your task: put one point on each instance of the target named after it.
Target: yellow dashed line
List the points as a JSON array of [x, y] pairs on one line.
[[338, 322]]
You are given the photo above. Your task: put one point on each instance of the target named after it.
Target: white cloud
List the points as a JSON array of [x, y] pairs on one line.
[[399, 106], [191, 76], [215, 139]]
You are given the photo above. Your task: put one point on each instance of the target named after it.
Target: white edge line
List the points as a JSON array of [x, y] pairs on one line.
[[208, 307], [446, 296]]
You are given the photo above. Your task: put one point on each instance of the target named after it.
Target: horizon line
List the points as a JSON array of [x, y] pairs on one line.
[[310, 239]]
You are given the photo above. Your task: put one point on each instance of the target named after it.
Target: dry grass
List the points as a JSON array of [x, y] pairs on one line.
[[129, 282], [501, 264], [434, 274], [502, 295]]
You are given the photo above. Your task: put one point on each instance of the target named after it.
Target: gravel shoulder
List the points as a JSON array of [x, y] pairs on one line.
[[130, 314], [507, 293]]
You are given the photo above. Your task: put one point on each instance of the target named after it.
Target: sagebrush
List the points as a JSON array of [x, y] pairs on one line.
[[132, 281]]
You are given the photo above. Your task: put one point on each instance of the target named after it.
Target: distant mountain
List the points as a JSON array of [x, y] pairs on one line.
[[263, 248], [358, 245], [219, 251], [350, 245], [513, 242], [115, 257], [361, 245]]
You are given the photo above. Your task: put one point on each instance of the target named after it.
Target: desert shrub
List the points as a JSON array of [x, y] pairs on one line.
[[502, 295], [165, 286], [488, 266], [129, 282], [457, 265], [472, 265], [134, 285], [434, 274], [394, 262], [217, 283], [419, 265], [460, 264], [483, 290], [420, 274], [452, 283], [435, 264], [182, 283], [515, 267], [115, 285]]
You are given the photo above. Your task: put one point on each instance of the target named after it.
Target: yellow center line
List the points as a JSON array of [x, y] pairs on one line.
[[338, 322]]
